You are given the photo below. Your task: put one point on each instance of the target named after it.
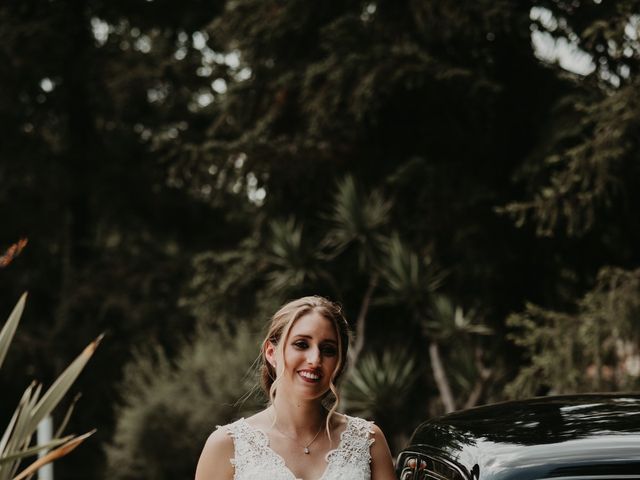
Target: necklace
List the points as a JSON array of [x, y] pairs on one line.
[[305, 448]]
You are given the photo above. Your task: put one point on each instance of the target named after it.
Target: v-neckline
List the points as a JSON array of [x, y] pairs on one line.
[[280, 458]]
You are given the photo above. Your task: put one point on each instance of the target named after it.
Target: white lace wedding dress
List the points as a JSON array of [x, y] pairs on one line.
[[254, 459]]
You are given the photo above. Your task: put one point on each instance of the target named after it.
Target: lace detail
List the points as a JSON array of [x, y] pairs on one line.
[[352, 458], [253, 458]]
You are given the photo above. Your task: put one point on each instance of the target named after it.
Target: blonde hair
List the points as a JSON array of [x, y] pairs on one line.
[[279, 329]]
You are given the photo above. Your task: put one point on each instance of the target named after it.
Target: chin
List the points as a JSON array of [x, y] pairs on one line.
[[315, 394]]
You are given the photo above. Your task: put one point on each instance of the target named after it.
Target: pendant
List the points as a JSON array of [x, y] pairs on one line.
[[306, 450]]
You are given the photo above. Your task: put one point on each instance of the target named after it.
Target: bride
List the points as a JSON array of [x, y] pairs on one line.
[[300, 436]]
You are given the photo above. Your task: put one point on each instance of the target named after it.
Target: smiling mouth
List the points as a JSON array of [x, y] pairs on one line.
[[308, 376]]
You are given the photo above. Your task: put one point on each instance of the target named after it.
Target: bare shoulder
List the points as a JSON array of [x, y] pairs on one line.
[[220, 439], [377, 432], [379, 440], [381, 462], [215, 459]]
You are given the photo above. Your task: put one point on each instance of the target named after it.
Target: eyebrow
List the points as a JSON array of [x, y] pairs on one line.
[[326, 340]]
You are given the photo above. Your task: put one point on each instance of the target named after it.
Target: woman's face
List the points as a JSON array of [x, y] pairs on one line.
[[310, 356]]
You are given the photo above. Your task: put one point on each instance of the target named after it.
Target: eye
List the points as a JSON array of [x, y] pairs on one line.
[[329, 350], [300, 344]]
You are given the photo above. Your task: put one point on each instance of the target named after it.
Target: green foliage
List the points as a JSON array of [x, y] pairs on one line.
[[593, 349], [590, 166], [90, 90], [379, 386], [358, 219], [411, 278], [34, 406], [169, 407], [164, 186], [223, 283], [460, 334], [9, 328], [549, 338], [293, 263], [448, 322]]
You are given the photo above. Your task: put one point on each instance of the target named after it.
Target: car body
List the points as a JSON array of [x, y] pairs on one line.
[[592, 436]]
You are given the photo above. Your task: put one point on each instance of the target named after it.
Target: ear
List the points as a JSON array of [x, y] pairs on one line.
[[270, 354]]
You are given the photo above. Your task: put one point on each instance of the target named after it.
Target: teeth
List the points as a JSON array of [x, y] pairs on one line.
[[310, 375]]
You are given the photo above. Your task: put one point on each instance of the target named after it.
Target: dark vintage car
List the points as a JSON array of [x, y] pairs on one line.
[[574, 437]]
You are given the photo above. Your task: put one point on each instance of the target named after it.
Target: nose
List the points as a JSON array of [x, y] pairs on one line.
[[314, 358]]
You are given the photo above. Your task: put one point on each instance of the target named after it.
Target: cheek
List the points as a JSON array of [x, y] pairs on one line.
[[332, 365], [292, 356]]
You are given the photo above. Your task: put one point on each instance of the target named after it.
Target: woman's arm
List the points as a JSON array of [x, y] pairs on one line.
[[214, 463], [381, 463]]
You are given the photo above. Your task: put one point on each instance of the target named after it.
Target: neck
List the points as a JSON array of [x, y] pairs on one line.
[[298, 417]]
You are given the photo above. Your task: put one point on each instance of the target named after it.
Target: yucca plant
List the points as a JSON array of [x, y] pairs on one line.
[[448, 324], [379, 387], [360, 220], [16, 442], [379, 384], [357, 218], [410, 277], [293, 262]]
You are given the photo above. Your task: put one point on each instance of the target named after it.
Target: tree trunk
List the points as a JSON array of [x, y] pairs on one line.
[[440, 377], [78, 161], [598, 356], [484, 374], [361, 320]]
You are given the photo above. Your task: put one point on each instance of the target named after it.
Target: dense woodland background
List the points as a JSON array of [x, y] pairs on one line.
[[462, 176]]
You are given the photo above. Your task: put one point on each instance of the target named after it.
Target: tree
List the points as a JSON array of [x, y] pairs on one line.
[[594, 348], [356, 219], [580, 192], [413, 281], [169, 145], [111, 240]]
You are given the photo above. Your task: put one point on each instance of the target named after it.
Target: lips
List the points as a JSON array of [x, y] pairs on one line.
[[310, 376]]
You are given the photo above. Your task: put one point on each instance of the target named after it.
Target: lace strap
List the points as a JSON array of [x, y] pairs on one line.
[[249, 444], [355, 443]]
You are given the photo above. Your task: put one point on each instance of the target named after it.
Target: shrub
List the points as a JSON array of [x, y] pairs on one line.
[[169, 407]]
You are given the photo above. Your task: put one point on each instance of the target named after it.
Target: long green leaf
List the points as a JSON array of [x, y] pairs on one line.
[[62, 384], [19, 438], [67, 417], [9, 329], [33, 450], [9, 438], [14, 436], [15, 443], [10, 428]]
